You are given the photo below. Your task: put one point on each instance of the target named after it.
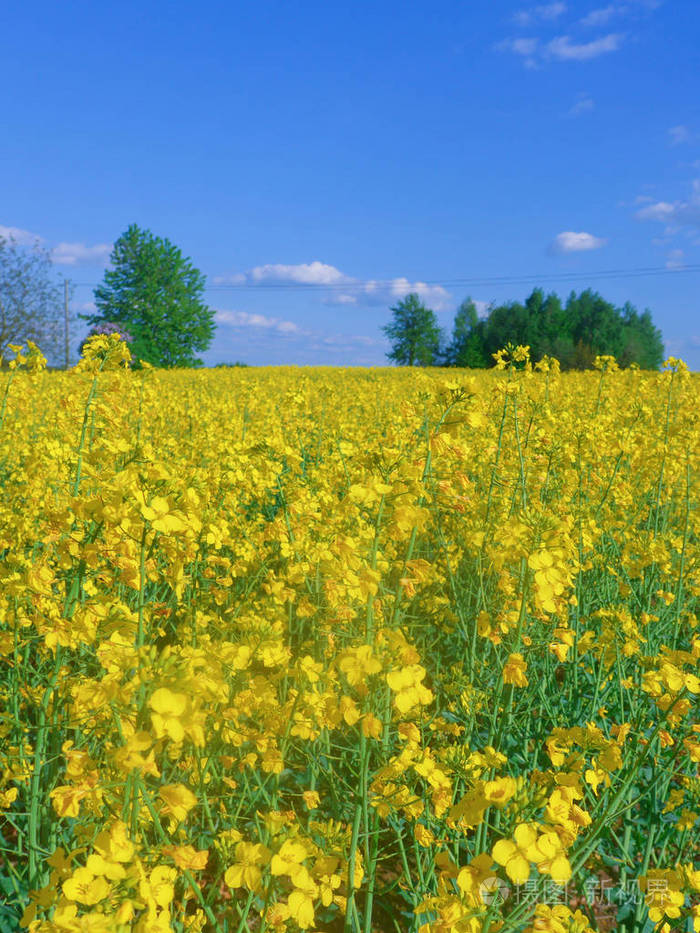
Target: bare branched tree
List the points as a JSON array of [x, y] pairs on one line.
[[30, 298]]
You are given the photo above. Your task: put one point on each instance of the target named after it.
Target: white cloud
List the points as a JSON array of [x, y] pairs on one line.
[[305, 273], [545, 11], [674, 259], [22, 237], [584, 104], [563, 49], [570, 242], [245, 319], [386, 293], [675, 213], [602, 15], [435, 295], [74, 254], [678, 135], [353, 291]]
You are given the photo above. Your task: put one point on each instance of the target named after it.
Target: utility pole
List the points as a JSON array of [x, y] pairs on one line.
[[65, 317]]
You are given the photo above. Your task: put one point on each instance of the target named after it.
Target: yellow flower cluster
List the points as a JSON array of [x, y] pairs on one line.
[[362, 650]]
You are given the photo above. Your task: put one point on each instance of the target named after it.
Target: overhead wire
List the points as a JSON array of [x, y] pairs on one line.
[[464, 281]]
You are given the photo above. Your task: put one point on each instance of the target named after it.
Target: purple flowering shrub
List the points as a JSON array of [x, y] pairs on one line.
[[107, 328]]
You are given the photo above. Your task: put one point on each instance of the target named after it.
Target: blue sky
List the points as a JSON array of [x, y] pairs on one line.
[[317, 161]]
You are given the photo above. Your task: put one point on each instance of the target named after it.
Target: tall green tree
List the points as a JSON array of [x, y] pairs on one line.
[[156, 294], [414, 333]]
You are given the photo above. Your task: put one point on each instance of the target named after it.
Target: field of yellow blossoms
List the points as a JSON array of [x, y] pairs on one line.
[[348, 650]]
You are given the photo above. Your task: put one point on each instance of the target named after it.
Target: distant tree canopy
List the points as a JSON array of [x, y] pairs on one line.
[[575, 333], [156, 295]]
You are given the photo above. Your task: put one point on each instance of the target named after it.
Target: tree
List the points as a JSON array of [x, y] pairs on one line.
[[30, 298], [595, 323], [155, 294], [643, 343], [414, 333], [466, 348]]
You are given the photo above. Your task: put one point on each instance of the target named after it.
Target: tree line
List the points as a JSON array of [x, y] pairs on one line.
[[574, 331], [154, 297]]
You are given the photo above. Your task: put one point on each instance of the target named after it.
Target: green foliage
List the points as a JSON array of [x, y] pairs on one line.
[[155, 294], [575, 333], [414, 334], [466, 350]]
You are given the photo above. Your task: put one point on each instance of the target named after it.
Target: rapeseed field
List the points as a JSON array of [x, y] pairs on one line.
[[348, 650]]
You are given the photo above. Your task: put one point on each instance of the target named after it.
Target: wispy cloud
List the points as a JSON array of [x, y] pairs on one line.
[[572, 43], [526, 48], [341, 299], [570, 242], [680, 346], [350, 340], [273, 340], [563, 48], [543, 12], [584, 104], [261, 321], [678, 134], [675, 259], [21, 237], [603, 14], [632, 10], [679, 213]]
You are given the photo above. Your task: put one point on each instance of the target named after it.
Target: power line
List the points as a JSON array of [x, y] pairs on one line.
[[474, 281]]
